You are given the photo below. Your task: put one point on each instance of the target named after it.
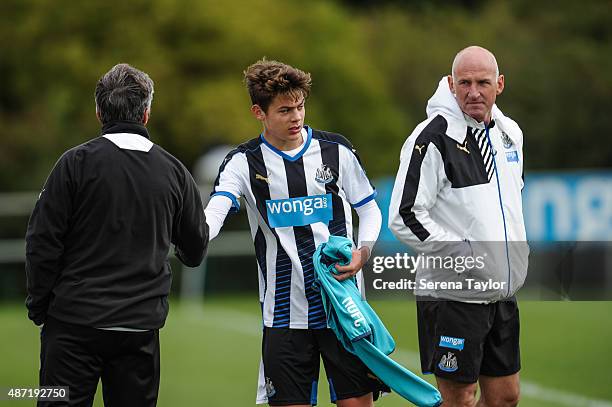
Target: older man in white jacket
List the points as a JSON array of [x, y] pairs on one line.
[[457, 197]]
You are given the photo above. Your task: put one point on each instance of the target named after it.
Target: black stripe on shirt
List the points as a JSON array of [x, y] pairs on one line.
[[261, 191], [485, 151], [330, 156], [305, 244], [260, 255]]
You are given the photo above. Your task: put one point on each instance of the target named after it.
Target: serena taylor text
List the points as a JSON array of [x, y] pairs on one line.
[[423, 284]]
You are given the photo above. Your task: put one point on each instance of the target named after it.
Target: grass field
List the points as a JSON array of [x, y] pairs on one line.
[[210, 352]]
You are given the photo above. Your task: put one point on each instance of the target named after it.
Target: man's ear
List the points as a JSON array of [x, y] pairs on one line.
[[500, 84], [451, 84], [98, 115], [258, 112], [145, 117]]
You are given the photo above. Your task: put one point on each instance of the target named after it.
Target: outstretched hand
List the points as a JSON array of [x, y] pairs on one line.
[[358, 260]]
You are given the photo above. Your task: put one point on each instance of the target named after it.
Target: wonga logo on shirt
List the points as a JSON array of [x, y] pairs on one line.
[[299, 211]]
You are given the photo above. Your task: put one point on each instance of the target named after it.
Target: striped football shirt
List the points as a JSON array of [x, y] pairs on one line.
[[294, 203]]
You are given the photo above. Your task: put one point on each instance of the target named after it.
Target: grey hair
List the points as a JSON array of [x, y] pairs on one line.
[[123, 93], [460, 53]]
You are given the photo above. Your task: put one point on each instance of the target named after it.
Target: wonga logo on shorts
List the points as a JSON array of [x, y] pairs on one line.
[[453, 343], [299, 211]]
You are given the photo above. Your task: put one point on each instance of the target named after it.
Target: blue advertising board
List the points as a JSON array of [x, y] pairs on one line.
[[558, 206]]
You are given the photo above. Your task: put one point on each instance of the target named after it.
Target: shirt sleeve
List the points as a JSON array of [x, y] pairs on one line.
[[229, 182], [370, 221], [355, 182], [45, 234], [216, 211]]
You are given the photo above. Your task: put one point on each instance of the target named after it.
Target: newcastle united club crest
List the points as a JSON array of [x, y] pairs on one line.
[[270, 390], [506, 140], [324, 174], [448, 363]]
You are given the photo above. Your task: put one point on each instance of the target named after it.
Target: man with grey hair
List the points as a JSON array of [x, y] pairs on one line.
[[458, 193], [97, 245]]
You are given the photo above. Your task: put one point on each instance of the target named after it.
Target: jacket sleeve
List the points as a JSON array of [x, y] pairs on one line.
[[191, 234], [45, 235], [419, 179]]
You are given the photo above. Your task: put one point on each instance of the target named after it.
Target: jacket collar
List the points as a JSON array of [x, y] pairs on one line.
[[471, 122], [121, 126]]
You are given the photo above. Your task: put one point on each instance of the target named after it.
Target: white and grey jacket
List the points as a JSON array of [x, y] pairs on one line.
[[458, 193]]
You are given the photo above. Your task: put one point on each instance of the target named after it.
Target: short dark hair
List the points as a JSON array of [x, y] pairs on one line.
[[123, 93], [267, 79]]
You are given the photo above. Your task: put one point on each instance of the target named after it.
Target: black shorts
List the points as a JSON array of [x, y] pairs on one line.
[[291, 359], [460, 341]]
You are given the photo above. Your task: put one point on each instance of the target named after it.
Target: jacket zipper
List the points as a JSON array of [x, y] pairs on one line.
[[501, 206]]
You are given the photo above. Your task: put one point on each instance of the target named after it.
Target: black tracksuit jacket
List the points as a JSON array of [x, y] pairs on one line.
[[98, 238]]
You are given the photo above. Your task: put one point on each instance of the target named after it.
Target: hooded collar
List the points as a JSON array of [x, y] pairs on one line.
[[444, 103], [471, 122], [121, 126]]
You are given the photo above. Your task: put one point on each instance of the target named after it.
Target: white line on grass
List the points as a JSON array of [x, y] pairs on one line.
[[528, 389], [247, 324]]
